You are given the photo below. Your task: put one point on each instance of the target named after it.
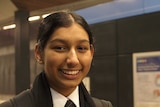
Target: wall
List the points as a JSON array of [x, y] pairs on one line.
[[118, 9], [116, 41]]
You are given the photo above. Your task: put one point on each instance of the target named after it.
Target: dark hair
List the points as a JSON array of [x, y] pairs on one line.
[[58, 19]]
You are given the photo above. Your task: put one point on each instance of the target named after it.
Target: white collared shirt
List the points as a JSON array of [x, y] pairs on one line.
[[59, 100]]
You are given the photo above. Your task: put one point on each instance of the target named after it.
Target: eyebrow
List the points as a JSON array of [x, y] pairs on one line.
[[64, 41], [57, 40]]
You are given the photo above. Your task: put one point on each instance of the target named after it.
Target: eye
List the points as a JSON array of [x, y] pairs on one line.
[[82, 48], [60, 48]]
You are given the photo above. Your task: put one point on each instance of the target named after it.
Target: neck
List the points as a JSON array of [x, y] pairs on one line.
[[64, 91]]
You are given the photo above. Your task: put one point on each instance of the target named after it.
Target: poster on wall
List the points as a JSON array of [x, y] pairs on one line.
[[146, 79]]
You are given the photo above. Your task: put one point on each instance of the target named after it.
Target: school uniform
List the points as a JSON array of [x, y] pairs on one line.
[[41, 95]]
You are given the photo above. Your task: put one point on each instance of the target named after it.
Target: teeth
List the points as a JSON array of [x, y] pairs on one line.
[[71, 72]]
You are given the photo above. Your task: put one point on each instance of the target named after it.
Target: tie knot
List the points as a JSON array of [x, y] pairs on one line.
[[69, 103]]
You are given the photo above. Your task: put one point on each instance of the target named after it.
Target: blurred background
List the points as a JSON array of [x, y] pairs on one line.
[[120, 27]]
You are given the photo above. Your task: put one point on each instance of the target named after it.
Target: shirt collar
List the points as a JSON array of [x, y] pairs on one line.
[[59, 100], [74, 96]]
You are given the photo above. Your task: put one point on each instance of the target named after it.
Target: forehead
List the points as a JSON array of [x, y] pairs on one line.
[[73, 32]]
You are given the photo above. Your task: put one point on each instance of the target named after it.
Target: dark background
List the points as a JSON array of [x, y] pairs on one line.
[[116, 41], [111, 73]]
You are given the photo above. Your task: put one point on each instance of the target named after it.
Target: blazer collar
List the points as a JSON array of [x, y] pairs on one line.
[[42, 94]]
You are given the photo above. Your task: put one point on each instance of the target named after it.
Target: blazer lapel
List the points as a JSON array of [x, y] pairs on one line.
[[85, 98], [41, 91]]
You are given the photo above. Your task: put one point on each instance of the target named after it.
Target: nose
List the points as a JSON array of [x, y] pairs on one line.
[[72, 58]]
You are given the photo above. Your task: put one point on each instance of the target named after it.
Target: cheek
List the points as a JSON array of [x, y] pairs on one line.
[[52, 62], [87, 62]]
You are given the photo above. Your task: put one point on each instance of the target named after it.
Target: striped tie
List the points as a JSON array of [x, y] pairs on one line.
[[69, 103]]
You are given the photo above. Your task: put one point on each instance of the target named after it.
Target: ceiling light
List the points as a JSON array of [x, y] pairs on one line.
[[45, 15], [33, 18], [9, 26]]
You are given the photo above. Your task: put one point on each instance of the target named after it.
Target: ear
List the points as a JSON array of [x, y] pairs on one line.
[[38, 54]]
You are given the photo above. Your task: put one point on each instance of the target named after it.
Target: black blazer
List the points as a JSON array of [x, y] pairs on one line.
[[40, 96]]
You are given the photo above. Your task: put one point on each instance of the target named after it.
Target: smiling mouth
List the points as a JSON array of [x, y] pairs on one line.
[[70, 72]]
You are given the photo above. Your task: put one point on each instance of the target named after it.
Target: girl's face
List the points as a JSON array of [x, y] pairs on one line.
[[66, 58]]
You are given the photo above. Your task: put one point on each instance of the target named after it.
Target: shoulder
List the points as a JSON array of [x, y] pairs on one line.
[[101, 103], [22, 99]]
